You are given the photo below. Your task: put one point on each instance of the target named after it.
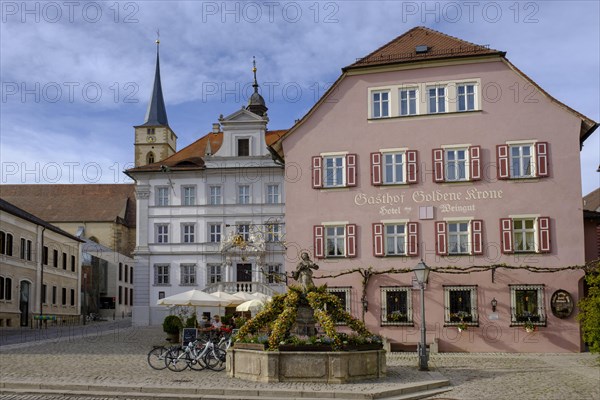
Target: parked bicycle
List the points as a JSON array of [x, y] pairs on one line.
[[197, 355]]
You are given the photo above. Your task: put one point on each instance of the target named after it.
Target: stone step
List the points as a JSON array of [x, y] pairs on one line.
[[417, 390]]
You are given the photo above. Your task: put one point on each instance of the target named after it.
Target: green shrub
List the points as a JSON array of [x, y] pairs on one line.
[[172, 324], [589, 312], [191, 322]]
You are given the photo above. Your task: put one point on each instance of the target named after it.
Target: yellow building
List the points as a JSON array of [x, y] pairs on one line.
[[39, 269]]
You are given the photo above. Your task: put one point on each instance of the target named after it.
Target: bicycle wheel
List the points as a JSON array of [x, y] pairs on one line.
[[215, 359], [197, 363], [156, 357], [177, 359]]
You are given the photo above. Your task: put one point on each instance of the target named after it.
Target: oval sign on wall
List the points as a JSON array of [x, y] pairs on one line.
[[561, 304]]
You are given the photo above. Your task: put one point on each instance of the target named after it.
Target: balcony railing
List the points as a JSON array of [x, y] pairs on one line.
[[250, 287]]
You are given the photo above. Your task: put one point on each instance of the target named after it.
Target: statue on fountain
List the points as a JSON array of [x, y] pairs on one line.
[[303, 273]]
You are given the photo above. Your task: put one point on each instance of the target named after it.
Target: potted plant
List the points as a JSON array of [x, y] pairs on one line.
[[529, 326], [172, 325], [462, 326]]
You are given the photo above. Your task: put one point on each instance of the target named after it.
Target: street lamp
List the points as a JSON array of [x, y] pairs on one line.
[[421, 271]]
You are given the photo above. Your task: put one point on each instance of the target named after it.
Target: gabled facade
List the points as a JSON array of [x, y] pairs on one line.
[[39, 270], [211, 215], [423, 150]]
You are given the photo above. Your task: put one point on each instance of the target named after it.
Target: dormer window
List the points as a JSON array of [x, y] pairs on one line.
[[243, 147]]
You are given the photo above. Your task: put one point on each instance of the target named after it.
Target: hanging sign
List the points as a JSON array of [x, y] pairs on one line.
[[561, 304]]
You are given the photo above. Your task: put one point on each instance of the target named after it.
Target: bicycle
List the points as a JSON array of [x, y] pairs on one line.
[[197, 356], [156, 357]]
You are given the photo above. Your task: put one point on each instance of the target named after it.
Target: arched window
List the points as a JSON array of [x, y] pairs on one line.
[[150, 158]]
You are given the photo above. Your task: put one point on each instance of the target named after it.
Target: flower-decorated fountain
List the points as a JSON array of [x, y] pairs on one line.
[[294, 338]]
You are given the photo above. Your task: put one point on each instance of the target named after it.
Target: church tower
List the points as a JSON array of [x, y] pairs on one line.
[[154, 139]]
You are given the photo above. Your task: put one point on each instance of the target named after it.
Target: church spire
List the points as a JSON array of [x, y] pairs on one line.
[[157, 113], [256, 103]]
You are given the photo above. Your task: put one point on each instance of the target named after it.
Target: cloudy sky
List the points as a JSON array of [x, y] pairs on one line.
[[76, 76]]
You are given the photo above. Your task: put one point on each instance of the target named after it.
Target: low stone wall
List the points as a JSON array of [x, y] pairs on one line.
[[294, 366]]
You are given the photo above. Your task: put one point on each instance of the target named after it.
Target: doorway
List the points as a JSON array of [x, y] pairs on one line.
[[244, 272]]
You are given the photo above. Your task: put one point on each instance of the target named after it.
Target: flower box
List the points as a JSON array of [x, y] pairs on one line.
[[251, 346], [305, 347]]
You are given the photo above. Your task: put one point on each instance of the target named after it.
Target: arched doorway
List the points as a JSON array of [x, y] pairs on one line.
[[24, 296]]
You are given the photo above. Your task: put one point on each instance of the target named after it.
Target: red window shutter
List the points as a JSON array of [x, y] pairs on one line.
[[541, 150], [350, 169], [477, 236], [317, 172], [544, 234], [506, 235], [376, 175], [411, 166], [378, 250], [441, 238], [438, 165], [502, 161], [319, 240], [351, 240], [413, 238], [475, 162]]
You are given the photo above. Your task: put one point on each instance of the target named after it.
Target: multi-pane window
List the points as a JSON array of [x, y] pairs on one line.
[[343, 294], [460, 305], [524, 235], [188, 274], [5, 288], [272, 194], [465, 94], [456, 164], [334, 171], [188, 232], [215, 195], [244, 194], [458, 237], [394, 168], [162, 233], [6, 243], [162, 196], [381, 104], [188, 195], [395, 239], [396, 306], [22, 249], [437, 99], [408, 101], [527, 304], [243, 147], [335, 239], [273, 232], [244, 231], [161, 274], [215, 273], [214, 233], [275, 274], [521, 161]]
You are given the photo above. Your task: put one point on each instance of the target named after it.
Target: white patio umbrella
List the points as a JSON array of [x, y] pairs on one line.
[[251, 305], [262, 296], [225, 295], [245, 296], [193, 297]]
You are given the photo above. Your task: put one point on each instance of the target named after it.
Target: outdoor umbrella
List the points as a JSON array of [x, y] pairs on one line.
[[225, 296], [193, 297], [244, 296], [262, 296], [250, 305]]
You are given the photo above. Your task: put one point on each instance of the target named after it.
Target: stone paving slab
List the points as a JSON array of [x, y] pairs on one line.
[[118, 358]]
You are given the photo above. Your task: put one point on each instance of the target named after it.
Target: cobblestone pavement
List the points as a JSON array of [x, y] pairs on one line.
[[118, 357]]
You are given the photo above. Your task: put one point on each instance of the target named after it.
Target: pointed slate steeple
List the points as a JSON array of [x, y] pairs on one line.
[[157, 113], [256, 103]]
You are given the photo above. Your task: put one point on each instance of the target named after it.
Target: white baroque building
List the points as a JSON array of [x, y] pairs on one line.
[[209, 216]]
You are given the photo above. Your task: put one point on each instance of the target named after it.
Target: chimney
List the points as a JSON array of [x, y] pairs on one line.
[[216, 127]]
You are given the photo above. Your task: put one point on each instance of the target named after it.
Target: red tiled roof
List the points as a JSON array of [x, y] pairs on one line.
[[190, 157], [439, 46], [75, 202], [591, 201]]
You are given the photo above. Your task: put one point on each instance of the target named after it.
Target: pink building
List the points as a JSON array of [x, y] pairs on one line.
[[438, 149]]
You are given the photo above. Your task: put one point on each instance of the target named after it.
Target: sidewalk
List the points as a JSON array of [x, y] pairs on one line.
[[117, 358]]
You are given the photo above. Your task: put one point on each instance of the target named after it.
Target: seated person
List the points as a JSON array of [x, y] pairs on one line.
[[217, 324]]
